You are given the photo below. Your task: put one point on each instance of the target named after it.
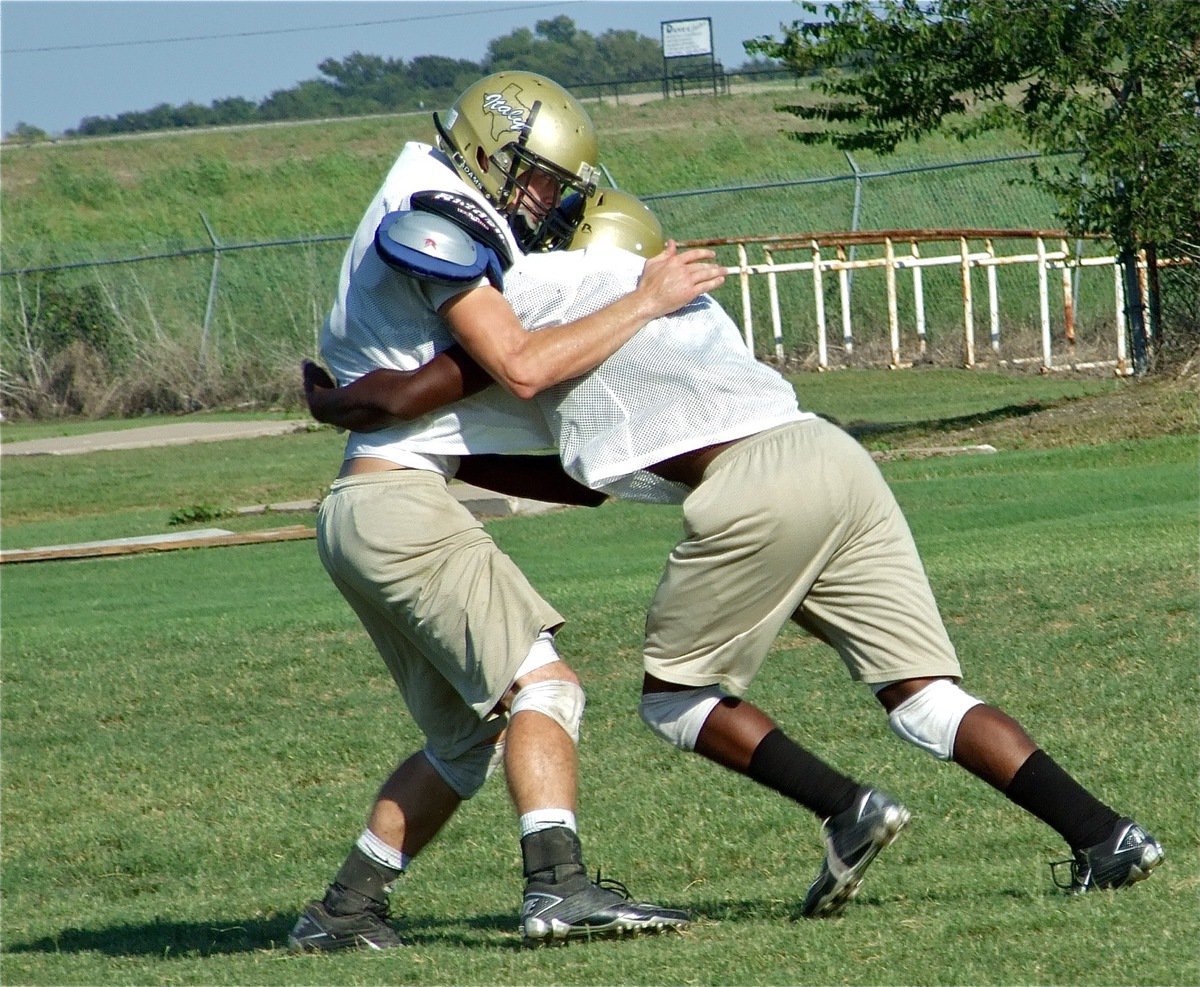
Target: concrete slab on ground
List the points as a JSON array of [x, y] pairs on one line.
[[205, 538], [481, 503], [149, 436]]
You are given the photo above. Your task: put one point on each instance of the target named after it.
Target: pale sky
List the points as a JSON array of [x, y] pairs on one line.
[[63, 60]]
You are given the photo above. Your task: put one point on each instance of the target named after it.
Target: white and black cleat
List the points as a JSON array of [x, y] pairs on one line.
[[600, 910], [319, 931], [853, 839], [1126, 857]]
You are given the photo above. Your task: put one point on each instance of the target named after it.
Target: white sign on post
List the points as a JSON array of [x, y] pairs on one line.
[[681, 38]]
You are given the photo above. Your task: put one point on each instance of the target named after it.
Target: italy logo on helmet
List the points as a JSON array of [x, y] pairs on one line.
[[507, 111]]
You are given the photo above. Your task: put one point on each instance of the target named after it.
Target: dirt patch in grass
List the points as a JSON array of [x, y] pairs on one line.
[[1144, 409]]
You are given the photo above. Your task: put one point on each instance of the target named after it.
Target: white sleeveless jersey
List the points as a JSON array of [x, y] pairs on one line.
[[381, 318], [685, 381]]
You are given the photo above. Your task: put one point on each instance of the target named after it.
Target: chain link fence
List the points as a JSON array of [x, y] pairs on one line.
[[216, 322]]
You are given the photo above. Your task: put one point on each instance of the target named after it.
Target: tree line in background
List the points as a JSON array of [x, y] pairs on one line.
[[363, 84]]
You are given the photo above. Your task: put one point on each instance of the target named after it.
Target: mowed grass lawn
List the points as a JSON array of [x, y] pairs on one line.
[[190, 740]]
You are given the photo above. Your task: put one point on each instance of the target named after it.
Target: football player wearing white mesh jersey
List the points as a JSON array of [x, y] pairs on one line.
[[785, 517], [467, 640]]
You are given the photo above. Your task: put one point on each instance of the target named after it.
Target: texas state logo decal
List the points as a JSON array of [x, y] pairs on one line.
[[506, 110]]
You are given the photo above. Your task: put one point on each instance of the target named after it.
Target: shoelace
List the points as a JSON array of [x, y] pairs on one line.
[[609, 884], [1078, 866]]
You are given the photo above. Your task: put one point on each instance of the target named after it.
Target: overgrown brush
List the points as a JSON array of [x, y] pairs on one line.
[[101, 348], [68, 352]]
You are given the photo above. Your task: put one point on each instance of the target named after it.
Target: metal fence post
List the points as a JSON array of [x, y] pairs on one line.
[[893, 311], [773, 295], [212, 286], [1044, 304], [993, 297], [967, 305], [747, 308], [856, 212], [919, 299], [1119, 304], [1134, 317], [819, 302], [1068, 303], [844, 291]]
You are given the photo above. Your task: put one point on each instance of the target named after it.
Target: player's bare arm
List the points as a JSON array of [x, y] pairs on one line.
[[537, 477], [525, 363], [385, 396]]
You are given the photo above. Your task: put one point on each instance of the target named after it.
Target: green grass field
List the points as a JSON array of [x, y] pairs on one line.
[[191, 740]]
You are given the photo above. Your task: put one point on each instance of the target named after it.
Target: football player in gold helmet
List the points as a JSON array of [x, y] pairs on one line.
[[524, 142]]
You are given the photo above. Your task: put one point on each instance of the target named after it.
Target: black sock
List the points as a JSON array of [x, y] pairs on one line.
[[787, 768], [1041, 787]]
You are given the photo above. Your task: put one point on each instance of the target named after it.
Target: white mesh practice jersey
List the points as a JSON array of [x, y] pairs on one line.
[[382, 318], [685, 381]]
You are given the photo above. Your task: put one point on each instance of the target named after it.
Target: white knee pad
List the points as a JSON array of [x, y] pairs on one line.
[[562, 701], [677, 717], [467, 772], [541, 652], [930, 718]]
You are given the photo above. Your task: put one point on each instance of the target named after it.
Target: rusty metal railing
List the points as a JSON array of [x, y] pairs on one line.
[[901, 254]]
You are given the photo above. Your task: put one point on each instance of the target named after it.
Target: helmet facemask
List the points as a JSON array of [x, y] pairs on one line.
[[539, 221], [563, 222]]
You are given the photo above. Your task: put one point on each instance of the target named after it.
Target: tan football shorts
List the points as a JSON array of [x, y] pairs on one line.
[[451, 615], [795, 522]]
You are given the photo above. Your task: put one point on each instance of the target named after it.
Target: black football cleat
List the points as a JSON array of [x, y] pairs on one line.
[[853, 838], [1126, 857], [595, 910]]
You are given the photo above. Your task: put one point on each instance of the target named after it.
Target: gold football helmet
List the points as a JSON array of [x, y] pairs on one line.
[[617, 219], [523, 141]]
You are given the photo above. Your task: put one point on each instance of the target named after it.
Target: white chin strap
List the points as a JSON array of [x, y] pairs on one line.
[[930, 718]]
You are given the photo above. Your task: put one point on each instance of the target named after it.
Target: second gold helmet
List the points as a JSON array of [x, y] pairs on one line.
[[617, 219]]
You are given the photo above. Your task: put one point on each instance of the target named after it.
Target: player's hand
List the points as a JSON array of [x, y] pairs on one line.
[[316, 382], [672, 279], [315, 376]]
